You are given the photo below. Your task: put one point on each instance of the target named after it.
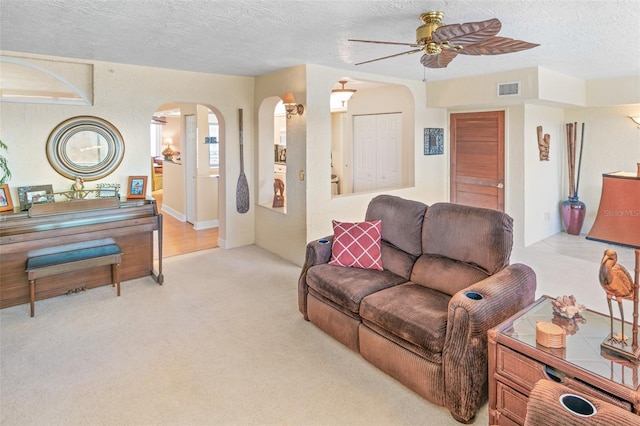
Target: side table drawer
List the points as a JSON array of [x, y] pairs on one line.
[[519, 368], [511, 403], [506, 421]]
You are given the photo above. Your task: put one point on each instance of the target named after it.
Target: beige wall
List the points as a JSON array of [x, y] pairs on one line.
[[281, 233], [173, 193], [429, 171], [172, 130], [550, 99], [378, 100], [127, 96], [543, 180]]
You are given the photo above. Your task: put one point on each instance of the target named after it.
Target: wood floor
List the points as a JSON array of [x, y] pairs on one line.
[[180, 237]]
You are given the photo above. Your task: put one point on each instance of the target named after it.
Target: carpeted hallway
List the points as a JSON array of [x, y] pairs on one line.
[[220, 343]]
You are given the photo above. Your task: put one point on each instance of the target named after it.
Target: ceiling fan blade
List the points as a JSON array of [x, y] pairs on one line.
[[497, 46], [466, 34], [384, 42], [440, 60], [391, 56]]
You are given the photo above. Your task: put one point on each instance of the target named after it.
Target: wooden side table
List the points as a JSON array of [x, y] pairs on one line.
[[517, 362]]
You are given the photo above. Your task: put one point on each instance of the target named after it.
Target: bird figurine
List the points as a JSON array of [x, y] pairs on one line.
[[617, 283]]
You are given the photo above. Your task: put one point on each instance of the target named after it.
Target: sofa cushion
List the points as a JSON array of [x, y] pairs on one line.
[[348, 286], [401, 231], [477, 236], [445, 275], [411, 312], [401, 221], [357, 244], [397, 261]]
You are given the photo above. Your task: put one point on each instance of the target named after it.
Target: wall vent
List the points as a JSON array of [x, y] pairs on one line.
[[509, 89]]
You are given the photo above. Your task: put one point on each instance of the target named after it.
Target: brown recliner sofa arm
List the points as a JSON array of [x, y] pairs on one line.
[[317, 253], [472, 312]]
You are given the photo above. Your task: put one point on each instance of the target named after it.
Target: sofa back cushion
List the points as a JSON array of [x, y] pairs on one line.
[[401, 231], [445, 275], [468, 243]]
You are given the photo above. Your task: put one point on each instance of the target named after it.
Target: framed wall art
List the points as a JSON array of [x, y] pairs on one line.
[[6, 205], [433, 141], [137, 187], [29, 195]]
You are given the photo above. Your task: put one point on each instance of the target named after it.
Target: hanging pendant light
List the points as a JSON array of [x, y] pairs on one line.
[[341, 96]]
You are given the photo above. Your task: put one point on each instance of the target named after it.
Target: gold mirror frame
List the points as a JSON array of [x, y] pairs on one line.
[[85, 146]]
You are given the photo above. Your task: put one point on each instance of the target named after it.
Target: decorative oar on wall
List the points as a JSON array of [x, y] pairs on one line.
[[242, 190]]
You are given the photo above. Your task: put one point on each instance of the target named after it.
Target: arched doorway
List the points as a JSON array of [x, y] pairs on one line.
[[185, 142]]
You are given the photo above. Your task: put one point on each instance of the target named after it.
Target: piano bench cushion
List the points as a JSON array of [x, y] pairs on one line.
[[72, 255]]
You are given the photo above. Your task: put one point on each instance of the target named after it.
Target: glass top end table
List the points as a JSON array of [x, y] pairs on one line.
[[584, 337]]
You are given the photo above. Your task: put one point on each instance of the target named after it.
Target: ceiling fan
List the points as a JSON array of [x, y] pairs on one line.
[[442, 43]]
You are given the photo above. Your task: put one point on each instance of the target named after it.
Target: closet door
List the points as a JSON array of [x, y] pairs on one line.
[[364, 153], [376, 151], [388, 150]]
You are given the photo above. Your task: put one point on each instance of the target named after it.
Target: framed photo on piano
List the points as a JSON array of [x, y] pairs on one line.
[[6, 205], [29, 195], [137, 187]]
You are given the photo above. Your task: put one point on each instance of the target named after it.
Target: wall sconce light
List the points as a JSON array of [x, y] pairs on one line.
[[636, 119], [291, 106], [341, 96]]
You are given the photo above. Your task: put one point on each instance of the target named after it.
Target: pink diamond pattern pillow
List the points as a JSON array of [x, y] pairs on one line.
[[357, 244]]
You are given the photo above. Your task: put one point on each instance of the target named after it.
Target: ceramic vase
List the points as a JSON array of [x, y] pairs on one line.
[[573, 213]]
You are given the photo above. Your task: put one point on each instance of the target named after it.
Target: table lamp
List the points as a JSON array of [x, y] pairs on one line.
[[618, 222]]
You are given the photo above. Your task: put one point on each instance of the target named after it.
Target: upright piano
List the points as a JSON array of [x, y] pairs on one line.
[[135, 225]]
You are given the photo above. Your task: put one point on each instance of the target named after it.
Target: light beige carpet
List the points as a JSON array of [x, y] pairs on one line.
[[220, 343]]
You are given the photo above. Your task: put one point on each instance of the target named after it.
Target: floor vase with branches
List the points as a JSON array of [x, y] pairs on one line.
[[573, 210]]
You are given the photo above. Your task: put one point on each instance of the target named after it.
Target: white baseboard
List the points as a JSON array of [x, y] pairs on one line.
[[207, 224], [222, 243], [171, 212]]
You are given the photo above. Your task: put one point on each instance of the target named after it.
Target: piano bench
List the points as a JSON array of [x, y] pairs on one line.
[[73, 257]]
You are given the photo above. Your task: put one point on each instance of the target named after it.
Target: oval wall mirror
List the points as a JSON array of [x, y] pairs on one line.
[[85, 146]]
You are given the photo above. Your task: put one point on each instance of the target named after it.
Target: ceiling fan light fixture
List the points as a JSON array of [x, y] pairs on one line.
[[342, 95], [432, 48]]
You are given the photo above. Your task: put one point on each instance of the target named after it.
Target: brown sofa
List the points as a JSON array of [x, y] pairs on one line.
[[423, 319]]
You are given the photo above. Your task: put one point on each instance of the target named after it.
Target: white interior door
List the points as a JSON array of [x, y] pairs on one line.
[[389, 132], [364, 155], [376, 151], [190, 166]]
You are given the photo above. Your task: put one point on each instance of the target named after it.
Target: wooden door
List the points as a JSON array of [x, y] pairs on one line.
[[477, 159]]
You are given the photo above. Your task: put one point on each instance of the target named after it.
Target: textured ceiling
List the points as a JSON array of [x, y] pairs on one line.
[[585, 39]]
